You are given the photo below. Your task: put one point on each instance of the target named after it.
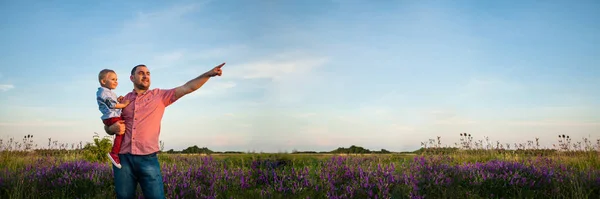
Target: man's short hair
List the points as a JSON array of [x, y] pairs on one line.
[[103, 73], [135, 68]]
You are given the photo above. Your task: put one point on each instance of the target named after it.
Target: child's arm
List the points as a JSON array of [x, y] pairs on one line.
[[122, 105], [112, 101]]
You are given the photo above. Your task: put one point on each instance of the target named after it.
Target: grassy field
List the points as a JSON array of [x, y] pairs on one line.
[[431, 173]]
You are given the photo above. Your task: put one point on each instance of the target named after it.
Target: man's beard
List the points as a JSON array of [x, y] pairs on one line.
[[141, 87]]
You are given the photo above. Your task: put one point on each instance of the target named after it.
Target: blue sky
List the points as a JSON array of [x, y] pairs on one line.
[[309, 75]]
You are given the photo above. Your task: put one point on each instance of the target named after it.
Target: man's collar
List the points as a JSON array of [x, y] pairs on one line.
[[136, 93]]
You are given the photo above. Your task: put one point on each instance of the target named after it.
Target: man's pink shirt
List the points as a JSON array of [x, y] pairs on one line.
[[143, 119]]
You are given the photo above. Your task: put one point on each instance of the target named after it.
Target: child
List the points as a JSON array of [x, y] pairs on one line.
[[110, 107]]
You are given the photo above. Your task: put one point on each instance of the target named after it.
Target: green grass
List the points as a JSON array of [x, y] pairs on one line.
[[444, 173]]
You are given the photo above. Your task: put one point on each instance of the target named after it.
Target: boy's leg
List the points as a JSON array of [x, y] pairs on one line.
[[114, 153]]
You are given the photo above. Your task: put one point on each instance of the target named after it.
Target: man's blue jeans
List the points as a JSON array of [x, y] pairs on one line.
[[142, 169]]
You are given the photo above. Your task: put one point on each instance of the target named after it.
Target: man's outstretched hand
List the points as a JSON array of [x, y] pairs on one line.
[[197, 82], [216, 70]]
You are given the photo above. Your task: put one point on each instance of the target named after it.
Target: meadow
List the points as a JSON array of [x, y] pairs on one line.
[[469, 169]]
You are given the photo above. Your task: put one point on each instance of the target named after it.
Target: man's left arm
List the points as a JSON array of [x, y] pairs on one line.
[[197, 82]]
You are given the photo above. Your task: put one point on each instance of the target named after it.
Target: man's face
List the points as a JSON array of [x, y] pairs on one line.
[[141, 78]]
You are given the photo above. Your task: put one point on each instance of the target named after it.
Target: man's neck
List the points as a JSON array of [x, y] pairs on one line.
[[139, 91]]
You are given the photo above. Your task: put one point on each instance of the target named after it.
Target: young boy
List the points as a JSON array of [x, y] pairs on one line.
[[110, 106]]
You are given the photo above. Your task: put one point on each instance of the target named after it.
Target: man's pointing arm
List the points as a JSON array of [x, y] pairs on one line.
[[197, 82]]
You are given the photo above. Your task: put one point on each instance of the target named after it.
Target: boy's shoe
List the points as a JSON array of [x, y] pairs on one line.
[[114, 159]]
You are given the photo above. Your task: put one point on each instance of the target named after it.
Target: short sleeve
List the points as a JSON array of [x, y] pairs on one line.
[[108, 99], [167, 96]]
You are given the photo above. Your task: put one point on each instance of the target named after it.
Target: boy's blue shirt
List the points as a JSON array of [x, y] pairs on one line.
[[107, 100]]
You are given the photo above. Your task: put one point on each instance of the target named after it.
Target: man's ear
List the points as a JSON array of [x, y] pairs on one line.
[[131, 78]]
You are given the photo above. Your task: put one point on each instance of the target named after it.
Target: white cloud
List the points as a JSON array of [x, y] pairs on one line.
[[147, 36], [151, 24], [447, 117], [455, 121], [211, 88], [227, 140], [188, 59], [229, 114], [6, 87], [375, 110], [218, 51], [477, 84], [151, 19], [402, 128], [320, 136], [292, 76], [148, 25], [441, 114], [165, 59], [277, 67], [554, 123], [304, 115], [485, 86]]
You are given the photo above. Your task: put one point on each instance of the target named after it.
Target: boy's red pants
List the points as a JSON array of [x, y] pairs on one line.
[[118, 138]]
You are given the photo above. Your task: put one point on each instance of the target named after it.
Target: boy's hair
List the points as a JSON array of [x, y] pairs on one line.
[[103, 73]]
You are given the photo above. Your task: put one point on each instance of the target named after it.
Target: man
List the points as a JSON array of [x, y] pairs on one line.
[[141, 121]]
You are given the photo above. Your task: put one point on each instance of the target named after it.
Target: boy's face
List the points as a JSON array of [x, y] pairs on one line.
[[110, 81]]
